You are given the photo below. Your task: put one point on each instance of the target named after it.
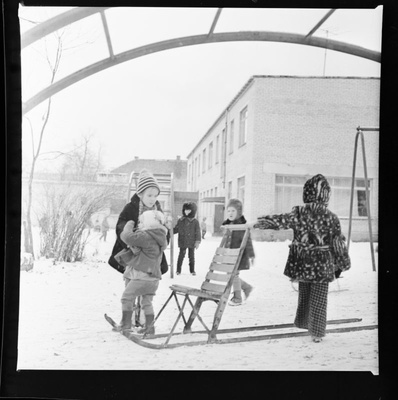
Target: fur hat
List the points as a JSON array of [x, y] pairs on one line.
[[145, 181], [237, 204], [152, 219], [190, 205], [316, 190]]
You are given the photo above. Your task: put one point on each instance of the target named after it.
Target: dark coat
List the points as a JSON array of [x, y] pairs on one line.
[[188, 228], [318, 249], [130, 212], [235, 241]]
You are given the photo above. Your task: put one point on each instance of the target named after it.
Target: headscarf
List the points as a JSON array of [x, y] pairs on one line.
[[316, 190]]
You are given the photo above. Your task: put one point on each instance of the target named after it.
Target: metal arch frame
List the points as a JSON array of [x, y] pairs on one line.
[[76, 14]]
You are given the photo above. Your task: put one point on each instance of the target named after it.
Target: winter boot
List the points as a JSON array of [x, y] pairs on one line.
[[148, 329], [247, 290], [236, 299], [125, 323]]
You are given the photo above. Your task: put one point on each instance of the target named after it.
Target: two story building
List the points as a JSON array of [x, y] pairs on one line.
[[276, 133]]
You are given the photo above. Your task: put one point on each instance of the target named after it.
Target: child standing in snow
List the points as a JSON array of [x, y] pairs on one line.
[[104, 229], [142, 273], [235, 216], [189, 237], [144, 199], [203, 227], [318, 253]]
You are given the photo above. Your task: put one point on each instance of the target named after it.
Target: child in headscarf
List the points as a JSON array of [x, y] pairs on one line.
[[318, 253]]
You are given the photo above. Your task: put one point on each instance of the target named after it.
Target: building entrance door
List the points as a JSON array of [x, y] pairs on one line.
[[218, 218]]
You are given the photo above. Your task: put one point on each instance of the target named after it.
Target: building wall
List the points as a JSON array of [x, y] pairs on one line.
[[306, 126], [296, 126]]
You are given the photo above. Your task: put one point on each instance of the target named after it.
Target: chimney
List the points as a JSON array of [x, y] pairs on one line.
[[136, 158], [178, 158]]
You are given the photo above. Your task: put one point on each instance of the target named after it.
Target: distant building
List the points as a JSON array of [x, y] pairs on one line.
[[47, 184], [177, 167], [161, 169], [277, 132]]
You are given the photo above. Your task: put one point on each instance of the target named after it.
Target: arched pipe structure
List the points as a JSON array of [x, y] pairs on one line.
[[262, 36], [57, 22]]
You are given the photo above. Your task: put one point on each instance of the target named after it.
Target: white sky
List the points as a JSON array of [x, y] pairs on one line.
[[159, 106]]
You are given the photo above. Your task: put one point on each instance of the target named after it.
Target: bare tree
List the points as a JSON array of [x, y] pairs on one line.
[[82, 163], [53, 65], [53, 60]]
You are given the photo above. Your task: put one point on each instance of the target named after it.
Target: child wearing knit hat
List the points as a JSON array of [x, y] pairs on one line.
[[142, 274], [235, 216], [143, 200]]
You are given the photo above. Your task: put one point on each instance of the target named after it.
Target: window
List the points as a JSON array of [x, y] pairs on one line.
[[241, 189], [204, 160], [243, 127], [217, 149], [222, 153], [289, 193], [198, 164], [210, 155], [189, 173], [231, 137], [215, 191]]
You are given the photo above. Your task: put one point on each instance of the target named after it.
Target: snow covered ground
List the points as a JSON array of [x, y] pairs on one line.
[[62, 325]]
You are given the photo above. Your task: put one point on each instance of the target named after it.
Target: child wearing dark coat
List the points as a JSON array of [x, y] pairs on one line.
[[235, 216], [143, 200], [189, 236], [318, 253], [142, 273]]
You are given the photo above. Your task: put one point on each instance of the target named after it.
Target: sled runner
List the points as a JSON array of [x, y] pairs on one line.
[[216, 287]]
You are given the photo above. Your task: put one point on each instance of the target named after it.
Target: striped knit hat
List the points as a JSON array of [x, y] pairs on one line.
[[316, 190], [145, 181]]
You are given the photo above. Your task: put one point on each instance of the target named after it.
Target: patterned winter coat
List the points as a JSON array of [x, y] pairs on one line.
[[236, 240], [319, 248], [188, 228]]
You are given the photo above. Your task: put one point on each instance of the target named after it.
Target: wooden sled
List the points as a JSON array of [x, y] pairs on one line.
[[216, 287]]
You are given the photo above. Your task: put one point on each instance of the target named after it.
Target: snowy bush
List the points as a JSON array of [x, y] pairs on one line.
[[66, 221]]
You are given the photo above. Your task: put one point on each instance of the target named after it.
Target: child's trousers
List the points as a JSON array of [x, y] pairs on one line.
[[238, 285], [312, 307], [144, 288], [191, 257]]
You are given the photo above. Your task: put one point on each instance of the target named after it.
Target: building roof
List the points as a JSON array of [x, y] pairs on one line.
[[249, 83], [177, 166]]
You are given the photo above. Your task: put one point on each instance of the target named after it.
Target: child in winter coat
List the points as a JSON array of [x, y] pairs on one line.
[[235, 216], [104, 229], [318, 253], [189, 237], [143, 200], [142, 273], [203, 227]]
